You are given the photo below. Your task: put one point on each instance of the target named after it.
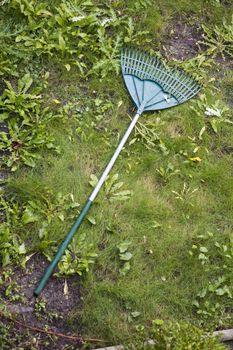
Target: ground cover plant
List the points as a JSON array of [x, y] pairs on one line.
[[154, 257]]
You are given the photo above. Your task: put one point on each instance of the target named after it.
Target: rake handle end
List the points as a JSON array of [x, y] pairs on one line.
[[48, 272]]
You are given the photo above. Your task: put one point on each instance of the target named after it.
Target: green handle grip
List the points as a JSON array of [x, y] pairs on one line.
[[61, 249]]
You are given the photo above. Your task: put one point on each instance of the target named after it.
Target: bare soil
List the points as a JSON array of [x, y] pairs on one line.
[[181, 41], [54, 309]]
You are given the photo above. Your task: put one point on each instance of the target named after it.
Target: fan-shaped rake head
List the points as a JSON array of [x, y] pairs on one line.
[[153, 85]]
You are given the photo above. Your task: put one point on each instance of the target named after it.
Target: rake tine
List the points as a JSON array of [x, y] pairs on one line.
[[152, 64], [146, 65], [155, 68]]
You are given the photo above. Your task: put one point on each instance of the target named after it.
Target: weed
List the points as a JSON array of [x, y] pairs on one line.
[[147, 134], [12, 290], [125, 256], [40, 307], [112, 188], [216, 114], [73, 32], [27, 122], [142, 4], [213, 301], [7, 67], [199, 67], [218, 40], [40, 214], [186, 194], [46, 211], [180, 335], [168, 172], [11, 243], [78, 258]]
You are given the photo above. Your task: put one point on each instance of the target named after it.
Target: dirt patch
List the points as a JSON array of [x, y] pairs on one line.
[[229, 344], [181, 42], [2, 86], [3, 175], [52, 310], [224, 77], [227, 149]]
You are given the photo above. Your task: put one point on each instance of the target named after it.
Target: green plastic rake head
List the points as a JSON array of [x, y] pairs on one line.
[[152, 86]]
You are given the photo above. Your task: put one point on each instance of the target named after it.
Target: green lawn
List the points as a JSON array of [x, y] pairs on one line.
[[177, 219]]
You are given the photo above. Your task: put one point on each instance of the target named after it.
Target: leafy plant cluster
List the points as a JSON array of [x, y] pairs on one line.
[[218, 40], [173, 335], [125, 256], [78, 258], [78, 33], [112, 188], [10, 288], [27, 123], [167, 172], [216, 45], [148, 133], [40, 215], [216, 114], [214, 301], [88, 122], [12, 246]]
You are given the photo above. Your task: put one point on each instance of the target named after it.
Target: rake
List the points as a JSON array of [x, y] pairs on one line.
[[152, 86]]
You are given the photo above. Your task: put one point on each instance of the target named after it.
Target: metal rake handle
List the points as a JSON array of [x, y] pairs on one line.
[[48, 272]]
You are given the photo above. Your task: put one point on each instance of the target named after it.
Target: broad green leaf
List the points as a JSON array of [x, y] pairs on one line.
[[132, 141], [121, 196], [92, 220], [110, 181], [126, 256], [116, 187], [22, 249], [214, 124], [201, 132], [4, 116], [196, 303], [61, 217], [29, 216], [42, 231], [94, 180], [202, 256], [5, 258], [25, 83], [124, 269], [203, 249], [123, 246], [158, 322], [195, 159], [14, 167], [156, 224], [29, 162], [62, 43], [224, 290], [67, 67], [202, 294]]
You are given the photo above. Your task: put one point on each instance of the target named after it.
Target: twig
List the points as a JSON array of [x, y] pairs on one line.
[[41, 330]]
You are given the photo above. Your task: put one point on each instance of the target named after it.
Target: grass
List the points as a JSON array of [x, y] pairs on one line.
[[165, 214]]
